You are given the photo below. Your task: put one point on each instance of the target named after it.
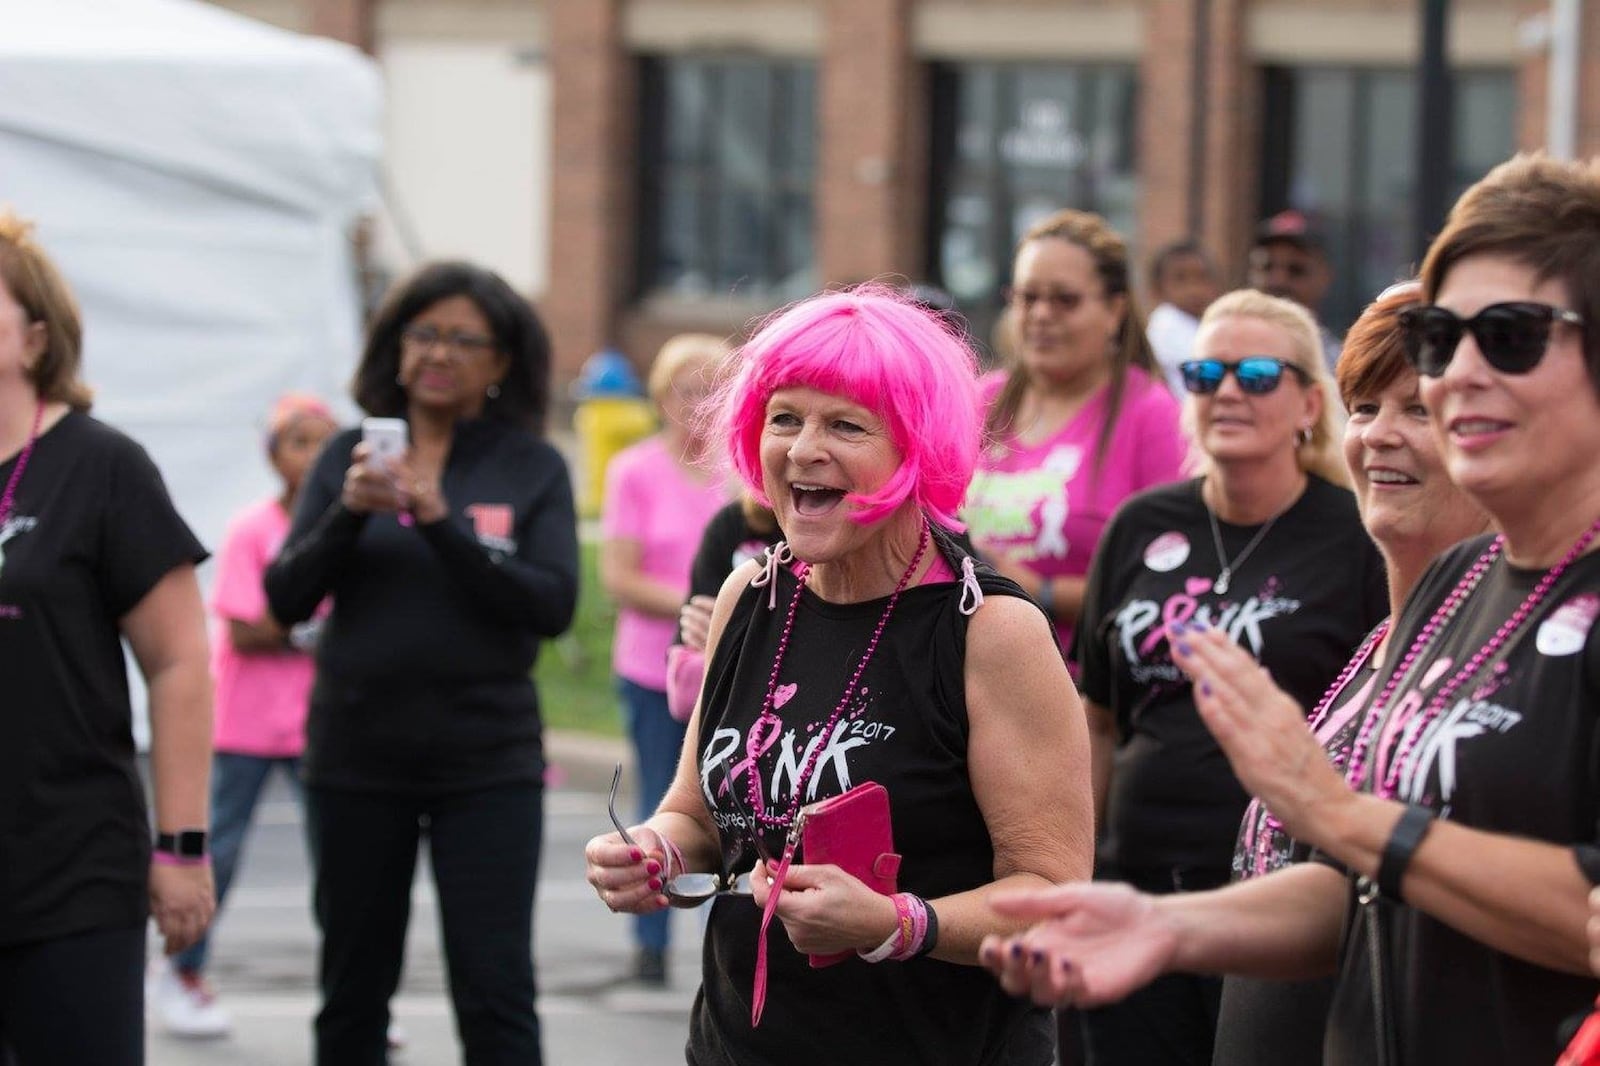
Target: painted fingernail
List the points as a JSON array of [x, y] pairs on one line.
[[655, 884], [652, 867], [1177, 628], [1183, 648], [1016, 951], [1205, 688], [1066, 965], [1038, 958], [635, 854]]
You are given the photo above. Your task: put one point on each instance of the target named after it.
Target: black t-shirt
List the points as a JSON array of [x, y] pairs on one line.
[[907, 730], [728, 542], [91, 533], [1300, 602], [423, 666], [1520, 756]]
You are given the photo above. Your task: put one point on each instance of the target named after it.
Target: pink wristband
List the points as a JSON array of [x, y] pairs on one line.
[[166, 858]]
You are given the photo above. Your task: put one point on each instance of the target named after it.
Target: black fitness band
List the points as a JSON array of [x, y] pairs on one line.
[[1403, 843]]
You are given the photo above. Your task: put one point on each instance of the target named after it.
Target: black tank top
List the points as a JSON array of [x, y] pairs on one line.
[[905, 728]]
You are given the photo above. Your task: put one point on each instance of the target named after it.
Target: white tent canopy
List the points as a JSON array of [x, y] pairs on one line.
[[195, 174]]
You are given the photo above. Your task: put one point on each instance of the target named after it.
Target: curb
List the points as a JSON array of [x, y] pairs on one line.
[[584, 761]]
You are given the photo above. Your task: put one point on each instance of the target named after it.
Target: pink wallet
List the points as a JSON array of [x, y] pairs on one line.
[[853, 832]]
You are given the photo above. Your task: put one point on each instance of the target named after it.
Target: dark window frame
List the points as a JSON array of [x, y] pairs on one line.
[[1280, 89], [1003, 185], [788, 172]]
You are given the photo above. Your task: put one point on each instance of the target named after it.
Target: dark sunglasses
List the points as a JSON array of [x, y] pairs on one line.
[[1512, 336], [1256, 374], [1061, 301]]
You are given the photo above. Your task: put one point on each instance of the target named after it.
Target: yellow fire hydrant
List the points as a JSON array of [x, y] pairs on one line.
[[612, 413]]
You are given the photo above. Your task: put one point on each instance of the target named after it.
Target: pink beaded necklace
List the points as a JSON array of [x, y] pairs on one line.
[[8, 497], [769, 724], [1271, 824], [1386, 787]]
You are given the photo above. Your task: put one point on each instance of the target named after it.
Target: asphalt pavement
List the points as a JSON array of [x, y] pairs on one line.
[[264, 949]]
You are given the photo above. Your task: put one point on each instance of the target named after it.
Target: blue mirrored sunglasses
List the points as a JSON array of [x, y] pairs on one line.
[[1256, 374]]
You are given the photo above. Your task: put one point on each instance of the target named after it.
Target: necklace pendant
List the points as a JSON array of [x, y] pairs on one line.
[[1220, 585]]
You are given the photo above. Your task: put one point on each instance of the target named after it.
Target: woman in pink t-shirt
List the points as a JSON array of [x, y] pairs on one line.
[[263, 674], [1078, 422], [659, 497]]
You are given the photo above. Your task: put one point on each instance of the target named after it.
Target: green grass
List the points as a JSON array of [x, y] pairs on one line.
[[576, 687]]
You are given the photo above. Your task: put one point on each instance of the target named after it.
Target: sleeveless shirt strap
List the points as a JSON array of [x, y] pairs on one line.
[[777, 556], [971, 591]]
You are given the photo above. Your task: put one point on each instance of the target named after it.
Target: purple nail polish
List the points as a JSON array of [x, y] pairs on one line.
[[1205, 688], [1038, 958], [1066, 965], [1016, 951], [1183, 648], [1177, 629]]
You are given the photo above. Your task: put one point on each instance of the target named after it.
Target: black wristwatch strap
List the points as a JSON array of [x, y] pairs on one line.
[[185, 843], [1403, 843]]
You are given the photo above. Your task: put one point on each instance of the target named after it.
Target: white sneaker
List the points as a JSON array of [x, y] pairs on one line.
[[186, 1006]]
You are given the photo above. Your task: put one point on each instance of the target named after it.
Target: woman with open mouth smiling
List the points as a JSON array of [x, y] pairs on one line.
[[867, 648]]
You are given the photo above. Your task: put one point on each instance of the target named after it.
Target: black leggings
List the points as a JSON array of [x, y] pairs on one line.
[[74, 1000]]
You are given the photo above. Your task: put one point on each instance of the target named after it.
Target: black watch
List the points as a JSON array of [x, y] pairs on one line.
[[185, 843]]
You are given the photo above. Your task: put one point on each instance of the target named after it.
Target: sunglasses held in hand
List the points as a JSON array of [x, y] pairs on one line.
[[1512, 336], [689, 889], [1256, 374]]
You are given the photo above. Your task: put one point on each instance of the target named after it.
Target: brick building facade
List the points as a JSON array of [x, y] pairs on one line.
[[710, 159]]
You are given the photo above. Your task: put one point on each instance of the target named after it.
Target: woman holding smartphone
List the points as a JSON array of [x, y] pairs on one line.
[[447, 564]]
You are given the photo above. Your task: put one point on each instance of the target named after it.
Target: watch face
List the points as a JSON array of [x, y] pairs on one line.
[[186, 843]]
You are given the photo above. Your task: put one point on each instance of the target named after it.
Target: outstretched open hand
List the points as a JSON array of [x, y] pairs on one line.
[[1091, 944]]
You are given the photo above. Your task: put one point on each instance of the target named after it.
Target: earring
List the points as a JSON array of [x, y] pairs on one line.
[[493, 391], [1305, 435]]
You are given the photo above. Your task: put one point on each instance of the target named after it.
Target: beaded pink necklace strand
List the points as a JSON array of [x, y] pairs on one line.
[[9, 496], [1313, 723], [769, 720], [1386, 787]]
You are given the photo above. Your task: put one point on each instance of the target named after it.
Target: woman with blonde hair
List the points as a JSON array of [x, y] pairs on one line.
[[1080, 419], [1266, 546], [660, 494]]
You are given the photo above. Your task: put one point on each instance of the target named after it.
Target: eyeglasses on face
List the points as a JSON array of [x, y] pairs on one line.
[[689, 889], [455, 342], [1256, 374], [1512, 336], [1057, 301]]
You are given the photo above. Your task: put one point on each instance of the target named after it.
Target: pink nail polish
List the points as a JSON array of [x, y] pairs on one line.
[[655, 884], [635, 854], [652, 867]]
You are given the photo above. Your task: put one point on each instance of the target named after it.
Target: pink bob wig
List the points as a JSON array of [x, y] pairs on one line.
[[874, 347]]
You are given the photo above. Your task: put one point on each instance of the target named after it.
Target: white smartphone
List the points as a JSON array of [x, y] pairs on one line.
[[386, 438]]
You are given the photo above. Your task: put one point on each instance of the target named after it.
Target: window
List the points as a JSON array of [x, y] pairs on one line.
[[728, 149], [1340, 145], [1012, 143]]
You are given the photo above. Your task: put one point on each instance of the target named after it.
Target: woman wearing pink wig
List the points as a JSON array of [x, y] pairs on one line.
[[867, 648]]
